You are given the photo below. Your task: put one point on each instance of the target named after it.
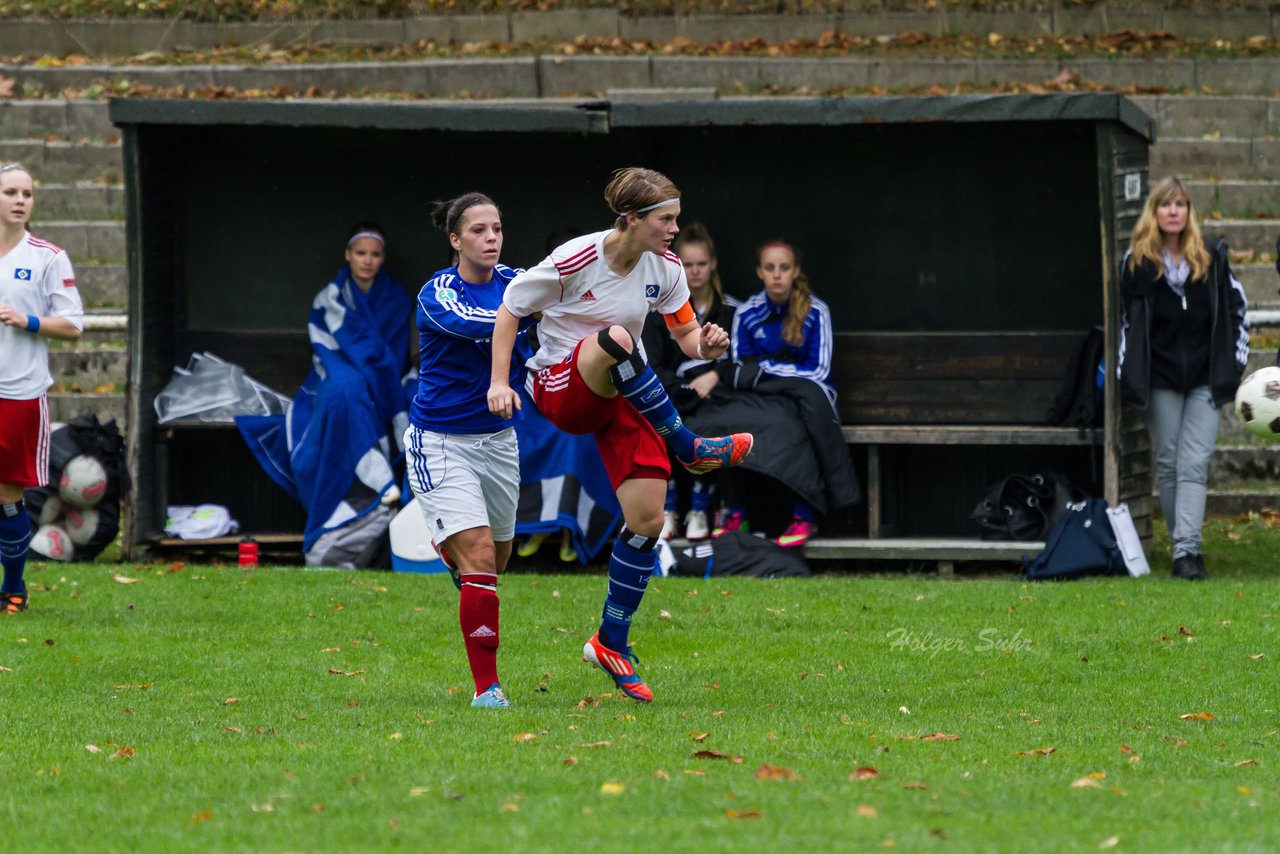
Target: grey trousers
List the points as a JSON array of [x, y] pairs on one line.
[[1183, 431]]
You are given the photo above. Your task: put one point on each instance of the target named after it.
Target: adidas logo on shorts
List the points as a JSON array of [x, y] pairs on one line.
[[483, 632]]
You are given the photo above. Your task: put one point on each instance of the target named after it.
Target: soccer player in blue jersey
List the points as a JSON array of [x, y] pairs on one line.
[[463, 461]]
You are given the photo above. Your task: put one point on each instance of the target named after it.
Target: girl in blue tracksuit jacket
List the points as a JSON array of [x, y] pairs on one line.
[[785, 331]]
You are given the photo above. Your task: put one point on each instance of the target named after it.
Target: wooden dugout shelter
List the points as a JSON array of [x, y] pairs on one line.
[[964, 244]]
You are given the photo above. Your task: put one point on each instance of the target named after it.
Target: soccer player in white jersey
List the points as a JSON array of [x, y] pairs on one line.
[[589, 375], [38, 300]]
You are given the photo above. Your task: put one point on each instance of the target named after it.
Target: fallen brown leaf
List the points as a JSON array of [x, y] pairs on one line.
[[612, 787], [1198, 716], [941, 736], [735, 815], [864, 772], [699, 736], [775, 772], [203, 816], [716, 754], [1040, 751], [1086, 783], [524, 736], [124, 579], [866, 811]]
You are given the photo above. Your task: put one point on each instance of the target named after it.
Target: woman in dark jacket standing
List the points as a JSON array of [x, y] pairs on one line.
[[1183, 348]]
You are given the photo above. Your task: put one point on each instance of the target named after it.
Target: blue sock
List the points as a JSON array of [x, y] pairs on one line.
[[630, 566], [672, 497], [803, 510], [701, 499], [647, 395], [15, 535]]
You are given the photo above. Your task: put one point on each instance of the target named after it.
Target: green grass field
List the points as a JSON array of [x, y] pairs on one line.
[[173, 708]]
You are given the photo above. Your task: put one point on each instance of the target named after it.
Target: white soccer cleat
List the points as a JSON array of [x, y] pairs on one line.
[[695, 525]]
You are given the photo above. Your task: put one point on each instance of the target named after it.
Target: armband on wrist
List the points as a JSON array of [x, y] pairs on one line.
[[700, 356], [33, 324]]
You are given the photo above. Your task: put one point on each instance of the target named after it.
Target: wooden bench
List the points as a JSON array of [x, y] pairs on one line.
[[960, 390]]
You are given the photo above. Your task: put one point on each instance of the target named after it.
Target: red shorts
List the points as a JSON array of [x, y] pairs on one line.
[[24, 442], [629, 446]]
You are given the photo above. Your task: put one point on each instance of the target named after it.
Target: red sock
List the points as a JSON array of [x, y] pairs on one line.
[[478, 617]]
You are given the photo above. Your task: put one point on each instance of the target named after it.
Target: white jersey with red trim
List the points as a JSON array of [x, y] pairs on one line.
[[578, 295], [35, 278]]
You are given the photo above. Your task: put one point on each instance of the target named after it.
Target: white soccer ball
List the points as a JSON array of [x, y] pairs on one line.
[[82, 524], [1258, 402], [83, 482], [50, 511], [52, 542]]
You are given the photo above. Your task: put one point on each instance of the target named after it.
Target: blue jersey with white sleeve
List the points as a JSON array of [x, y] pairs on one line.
[[455, 328]]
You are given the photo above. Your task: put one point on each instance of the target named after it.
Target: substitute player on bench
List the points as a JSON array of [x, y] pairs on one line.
[[590, 376], [38, 300]]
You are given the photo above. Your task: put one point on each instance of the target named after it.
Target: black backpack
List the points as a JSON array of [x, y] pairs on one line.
[[1079, 403], [1080, 543]]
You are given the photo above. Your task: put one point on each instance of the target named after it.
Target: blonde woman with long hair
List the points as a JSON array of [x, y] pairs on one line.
[[1184, 343]]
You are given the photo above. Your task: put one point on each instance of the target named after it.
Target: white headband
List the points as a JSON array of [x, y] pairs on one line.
[[661, 204], [360, 234]]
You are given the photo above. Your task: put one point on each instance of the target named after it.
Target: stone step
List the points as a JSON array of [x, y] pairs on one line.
[[67, 119], [1248, 465], [87, 368], [1231, 158], [1261, 284], [81, 200], [64, 406], [1229, 503], [118, 36], [102, 284], [65, 162], [1194, 116], [1235, 199], [550, 75], [98, 239], [1246, 235]]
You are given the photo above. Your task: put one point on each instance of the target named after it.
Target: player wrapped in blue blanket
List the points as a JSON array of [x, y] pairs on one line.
[[336, 449]]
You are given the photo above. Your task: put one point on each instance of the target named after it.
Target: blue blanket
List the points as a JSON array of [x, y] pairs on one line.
[[335, 449], [563, 484]]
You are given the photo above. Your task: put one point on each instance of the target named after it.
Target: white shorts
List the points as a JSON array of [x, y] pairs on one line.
[[464, 481]]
